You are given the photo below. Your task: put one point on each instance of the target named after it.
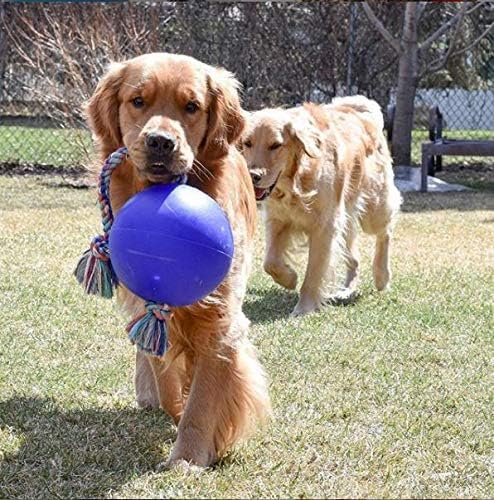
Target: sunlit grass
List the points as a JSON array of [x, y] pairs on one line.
[[54, 146], [50, 146], [390, 397]]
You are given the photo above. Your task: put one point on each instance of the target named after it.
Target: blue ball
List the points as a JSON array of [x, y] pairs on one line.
[[171, 244]]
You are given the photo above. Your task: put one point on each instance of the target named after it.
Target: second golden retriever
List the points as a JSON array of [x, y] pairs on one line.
[[323, 170]]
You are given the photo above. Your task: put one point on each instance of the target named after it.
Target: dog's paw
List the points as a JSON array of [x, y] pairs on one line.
[[382, 280], [181, 465], [305, 306], [148, 401], [191, 449], [342, 297], [284, 276]]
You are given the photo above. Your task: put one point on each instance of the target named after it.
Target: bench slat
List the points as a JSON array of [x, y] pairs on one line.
[[461, 148]]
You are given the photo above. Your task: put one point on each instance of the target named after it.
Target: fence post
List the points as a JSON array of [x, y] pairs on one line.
[[425, 167]]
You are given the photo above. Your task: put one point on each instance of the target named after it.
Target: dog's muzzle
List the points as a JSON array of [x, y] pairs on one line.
[[263, 193]]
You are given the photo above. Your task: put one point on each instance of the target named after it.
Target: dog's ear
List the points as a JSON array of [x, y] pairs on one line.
[[102, 108], [239, 143], [306, 135], [225, 115]]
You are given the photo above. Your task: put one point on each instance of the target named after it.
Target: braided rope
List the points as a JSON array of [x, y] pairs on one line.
[[99, 245]]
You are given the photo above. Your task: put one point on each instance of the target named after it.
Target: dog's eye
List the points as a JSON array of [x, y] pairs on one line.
[[191, 107], [248, 144], [138, 102], [274, 146]]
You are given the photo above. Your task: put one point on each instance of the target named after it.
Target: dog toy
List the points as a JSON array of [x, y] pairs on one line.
[[170, 244]]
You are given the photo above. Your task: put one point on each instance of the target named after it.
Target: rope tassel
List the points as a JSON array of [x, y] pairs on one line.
[[148, 331]]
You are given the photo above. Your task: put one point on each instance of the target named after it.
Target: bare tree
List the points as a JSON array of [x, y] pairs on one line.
[[418, 59], [3, 46], [61, 51]]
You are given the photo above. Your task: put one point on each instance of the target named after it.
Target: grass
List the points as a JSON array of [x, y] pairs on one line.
[[390, 397], [70, 146], [50, 146]]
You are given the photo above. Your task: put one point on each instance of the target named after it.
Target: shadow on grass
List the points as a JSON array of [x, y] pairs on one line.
[[460, 201], [262, 306], [85, 452], [69, 183]]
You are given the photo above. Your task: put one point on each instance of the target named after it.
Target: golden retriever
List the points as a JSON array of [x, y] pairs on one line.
[[322, 169], [177, 115]]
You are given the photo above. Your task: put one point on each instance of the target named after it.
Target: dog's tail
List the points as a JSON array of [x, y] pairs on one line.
[[369, 108]]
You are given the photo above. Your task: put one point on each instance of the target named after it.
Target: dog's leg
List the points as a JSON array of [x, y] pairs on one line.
[[145, 383], [381, 269], [169, 382], [277, 242], [352, 257], [352, 261], [228, 389], [311, 293]]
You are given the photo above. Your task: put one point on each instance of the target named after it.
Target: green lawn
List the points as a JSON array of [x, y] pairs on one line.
[[390, 397], [49, 146], [70, 146]]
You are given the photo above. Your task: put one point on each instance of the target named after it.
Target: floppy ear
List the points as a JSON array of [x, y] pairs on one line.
[[102, 108], [226, 117], [239, 142], [307, 135]]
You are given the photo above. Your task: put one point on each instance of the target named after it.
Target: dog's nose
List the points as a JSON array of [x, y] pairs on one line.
[[160, 143], [256, 178]]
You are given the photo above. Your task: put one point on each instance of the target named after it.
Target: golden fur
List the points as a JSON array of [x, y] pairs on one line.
[[210, 381], [322, 169]]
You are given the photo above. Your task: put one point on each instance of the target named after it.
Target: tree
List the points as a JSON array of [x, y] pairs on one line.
[[418, 59], [3, 47]]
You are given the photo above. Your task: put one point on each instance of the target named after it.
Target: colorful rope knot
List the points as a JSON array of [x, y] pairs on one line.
[[162, 312], [148, 330], [99, 247]]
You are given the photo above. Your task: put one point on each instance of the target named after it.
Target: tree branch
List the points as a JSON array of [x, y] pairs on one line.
[[420, 10], [380, 27], [445, 27], [440, 62]]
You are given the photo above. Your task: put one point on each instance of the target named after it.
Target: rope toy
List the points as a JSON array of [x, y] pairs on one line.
[[95, 272]]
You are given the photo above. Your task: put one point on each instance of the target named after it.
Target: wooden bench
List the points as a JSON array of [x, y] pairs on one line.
[[433, 151], [439, 146]]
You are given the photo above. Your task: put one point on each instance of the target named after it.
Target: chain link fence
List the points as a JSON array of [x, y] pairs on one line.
[[282, 53]]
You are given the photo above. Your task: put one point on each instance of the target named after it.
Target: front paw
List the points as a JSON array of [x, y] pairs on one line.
[[282, 274], [192, 448], [305, 305], [181, 465]]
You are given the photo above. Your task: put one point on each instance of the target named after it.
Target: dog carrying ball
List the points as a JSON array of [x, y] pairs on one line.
[[171, 244]]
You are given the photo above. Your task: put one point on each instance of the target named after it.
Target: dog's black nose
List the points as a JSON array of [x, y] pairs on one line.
[[160, 143], [256, 178]]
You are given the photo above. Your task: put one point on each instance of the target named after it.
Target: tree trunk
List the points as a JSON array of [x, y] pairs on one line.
[[3, 47], [407, 86]]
